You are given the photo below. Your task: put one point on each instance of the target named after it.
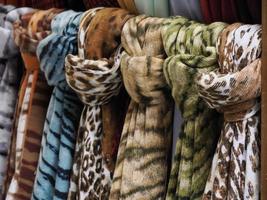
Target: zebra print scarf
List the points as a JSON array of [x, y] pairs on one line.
[[234, 90], [32, 105], [94, 75], [191, 50], [142, 164], [61, 124]]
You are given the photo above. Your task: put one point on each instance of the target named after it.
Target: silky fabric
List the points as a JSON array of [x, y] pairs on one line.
[[190, 47], [234, 90], [32, 106], [61, 124], [100, 3], [141, 170], [94, 75], [128, 5], [157, 8], [187, 8], [9, 82]]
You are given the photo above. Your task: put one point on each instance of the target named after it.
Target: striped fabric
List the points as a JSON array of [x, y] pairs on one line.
[[142, 165], [94, 75], [190, 47], [32, 105], [62, 119], [234, 90]]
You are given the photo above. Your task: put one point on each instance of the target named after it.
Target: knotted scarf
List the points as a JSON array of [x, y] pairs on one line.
[[191, 50], [158, 8], [234, 90], [186, 8], [62, 119], [100, 3], [32, 105], [95, 76], [142, 164]]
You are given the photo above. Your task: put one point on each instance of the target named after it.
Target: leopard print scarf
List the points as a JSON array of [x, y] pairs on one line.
[[62, 119], [95, 76], [191, 50], [142, 164], [234, 90], [9, 82], [32, 105]]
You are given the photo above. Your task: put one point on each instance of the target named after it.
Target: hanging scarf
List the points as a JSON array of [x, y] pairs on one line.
[[157, 8], [59, 135], [186, 8], [234, 90], [94, 75], [191, 50], [128, 5], [100, 3], [32, 104], [142, 164]]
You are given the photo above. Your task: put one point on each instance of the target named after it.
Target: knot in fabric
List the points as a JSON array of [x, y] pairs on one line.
[[52, 50], [142, 61], [234, 88], [191, 48], [29, 30]]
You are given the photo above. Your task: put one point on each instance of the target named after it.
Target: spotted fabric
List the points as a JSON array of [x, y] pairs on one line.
[[32, 105], [95, 76], [234, 90], [142, 165], [190, 47]]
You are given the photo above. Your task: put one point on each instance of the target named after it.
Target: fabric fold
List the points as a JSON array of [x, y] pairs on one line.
[[141, 170], [190, 47], [157, 8], [34, 95], [95, 76], [234, 89], [62, 118]]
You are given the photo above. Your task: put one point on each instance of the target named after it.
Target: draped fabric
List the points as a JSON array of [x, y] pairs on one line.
[[100, 3], [191, 50], [128, 5], [234, 90], [32, 105], [157, 8], [62, 119], [141, 170], [186, 8], [94, 75]]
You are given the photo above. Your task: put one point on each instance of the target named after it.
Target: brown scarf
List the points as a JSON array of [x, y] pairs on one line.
[[31, 109]]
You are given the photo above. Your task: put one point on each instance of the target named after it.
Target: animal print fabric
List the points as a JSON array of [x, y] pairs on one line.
[[141, 170], [62, 119], [32, 106], [190, 47], [234, 90], [95, 76]]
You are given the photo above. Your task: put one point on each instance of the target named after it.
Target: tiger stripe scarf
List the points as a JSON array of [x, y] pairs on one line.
[[234, 90], [32, 104], [190, 47], [142, 167], [62, 119], [95, 76]]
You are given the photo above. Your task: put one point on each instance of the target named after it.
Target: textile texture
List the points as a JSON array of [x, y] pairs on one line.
[[94, 75], [190, 47], [32, 105], [157, 8], [234, 90], [100, 3], [62, 118], [128, 5], [141, 170]]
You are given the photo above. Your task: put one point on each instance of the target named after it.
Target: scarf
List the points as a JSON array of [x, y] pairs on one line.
[[156, 8], [62, 118], [32, 104], [191, 50], [128, 5], [186, 8], [234, 90], [142, 165], [100, 3], [94, 75]]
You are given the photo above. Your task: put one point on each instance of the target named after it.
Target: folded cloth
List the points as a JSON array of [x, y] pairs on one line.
[[34, 95], [95, 76], [142, 165], [190, 47], [234, 90]]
